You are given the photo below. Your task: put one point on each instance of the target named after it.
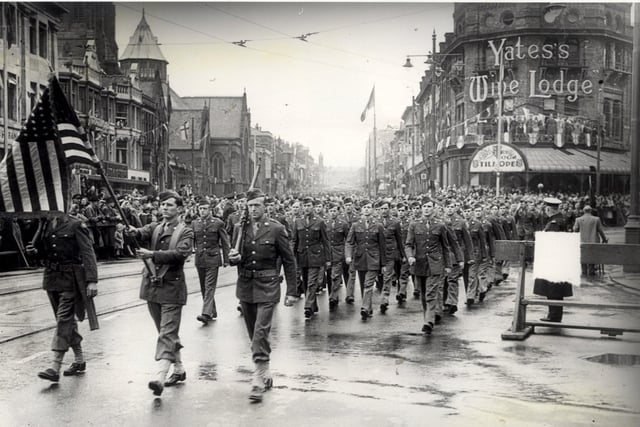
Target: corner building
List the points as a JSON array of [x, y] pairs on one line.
[[566, 97]]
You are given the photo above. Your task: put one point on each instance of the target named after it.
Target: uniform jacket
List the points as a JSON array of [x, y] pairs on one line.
[[455, 249], [310, 242], [478, 240], [70, 263], [490, 236], [509, 226], [590, 227], [525, 222], [394, 246], [258, 275], [556, 222], [366, 246], [427, 242], [338, 231], [498, 231], [172, 287], [463, 237], [232, 220], [209, 237]]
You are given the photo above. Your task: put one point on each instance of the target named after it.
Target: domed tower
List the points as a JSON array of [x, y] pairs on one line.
[[143, 56]]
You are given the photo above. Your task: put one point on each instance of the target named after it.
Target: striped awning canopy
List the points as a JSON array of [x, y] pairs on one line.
[[574, 160]]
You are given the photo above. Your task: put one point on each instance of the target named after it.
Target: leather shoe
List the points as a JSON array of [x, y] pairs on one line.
[[333, 304], [75, 369], [482, 295], [383, 308], [438, 319], [175, 378], [426, 329], [156, 386], [453, 309], [256, 394], [49, 374], [365, 314], [546, 319], [416, 294], [349, 300], [204, 318], [470, 301], [308, 313]]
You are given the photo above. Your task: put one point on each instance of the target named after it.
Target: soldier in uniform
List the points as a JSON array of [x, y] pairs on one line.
[[403, 270], [165, 291], [337, 230], [477, 282], [365, 248], [258, 287], [313, 251], [70, 273], [234, 217], [209, 237], [348, 270], [543, 287], [394, 252], [459, 237], [427, 250]]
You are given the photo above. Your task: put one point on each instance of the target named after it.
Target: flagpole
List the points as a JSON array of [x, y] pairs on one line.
[[499, 139], [193, 161], [375, 142]]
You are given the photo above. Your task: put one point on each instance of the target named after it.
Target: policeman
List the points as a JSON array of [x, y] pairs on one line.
[[165, 290], [70, 274], [209, 237], [258, 287], [313, 251], [553, 290], [365, 248]]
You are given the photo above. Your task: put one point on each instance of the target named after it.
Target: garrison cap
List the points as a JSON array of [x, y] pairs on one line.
[[230, 196], [77, 196], [347, 200], [204, 202], [269, 200], [254, 194], [307, 200], [317, 202], [167, 195]]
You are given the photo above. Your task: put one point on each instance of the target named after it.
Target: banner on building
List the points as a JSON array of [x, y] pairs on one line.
[[486, 159]]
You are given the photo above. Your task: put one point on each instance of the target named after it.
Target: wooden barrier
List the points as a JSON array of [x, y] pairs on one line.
[[590, 253]]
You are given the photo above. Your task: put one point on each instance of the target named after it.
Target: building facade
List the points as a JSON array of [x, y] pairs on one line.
[[550, 82]]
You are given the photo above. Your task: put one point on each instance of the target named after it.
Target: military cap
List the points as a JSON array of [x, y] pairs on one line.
[[552, 201], [365, 202], [332, 205], [415, 204], [317, 202], [307, 200], [204, 202], [77, 196], [168, 194], [241, 196], [269, 200], [254, 194], [347, 200], [400, 205], [230, 196], [381, 203]]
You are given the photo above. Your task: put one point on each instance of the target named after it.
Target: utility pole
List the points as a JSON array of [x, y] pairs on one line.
[[193, 161], [632, 229], [499, 139], [431, 158]]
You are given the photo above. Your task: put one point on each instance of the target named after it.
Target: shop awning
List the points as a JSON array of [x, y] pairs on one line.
[[574, 160]]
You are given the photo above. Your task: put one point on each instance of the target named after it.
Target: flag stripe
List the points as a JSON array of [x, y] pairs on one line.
[[21, 178], [13, 185], [41, 187], [32, 187], [55, 172], [47, 173], [7, 205]]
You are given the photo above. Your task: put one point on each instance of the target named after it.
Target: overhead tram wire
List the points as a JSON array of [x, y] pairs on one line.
[[223, 41]]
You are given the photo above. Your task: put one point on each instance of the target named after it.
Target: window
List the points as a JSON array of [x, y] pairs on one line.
[[507, 18], [12, 96], [42, 38], [12, 31], [549, 104], [121, 151], [33, 37], [613, 118], [217, 167], [122, 115]]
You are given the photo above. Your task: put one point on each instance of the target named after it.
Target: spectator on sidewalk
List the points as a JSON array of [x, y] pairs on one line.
[[591, 231]]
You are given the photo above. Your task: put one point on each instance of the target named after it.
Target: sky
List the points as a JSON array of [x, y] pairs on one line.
[[311, 92]]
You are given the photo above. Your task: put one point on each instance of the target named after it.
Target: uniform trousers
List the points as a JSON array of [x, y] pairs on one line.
[[257, 318], [367, 282], [346, 272], [208, 277], [167, 320], [310, 278], [486, 275], [451, 285], [428, 286], [63, 304], [336, 280], [403, 278], [476, 280], [388, 276], [351, 281]]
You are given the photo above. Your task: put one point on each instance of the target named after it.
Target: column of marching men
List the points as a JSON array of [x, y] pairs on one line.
[[392, 249]]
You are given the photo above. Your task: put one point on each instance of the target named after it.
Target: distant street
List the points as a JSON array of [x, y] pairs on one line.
[[382, 372]]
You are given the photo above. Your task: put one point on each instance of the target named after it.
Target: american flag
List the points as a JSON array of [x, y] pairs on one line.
[[34, 174]]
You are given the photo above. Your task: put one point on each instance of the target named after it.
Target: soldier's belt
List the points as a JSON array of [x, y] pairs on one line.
[[254, 274], [56, 266]]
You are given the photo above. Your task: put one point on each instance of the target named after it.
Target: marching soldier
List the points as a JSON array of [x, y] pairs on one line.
[[258, 287], [459, 238], [365, 248], [70, 279], [427, 250], [209, 237], [481, 255], [313, 251], [165, 290], [337, 230], [403, 273], [394, 252], [348, 270]]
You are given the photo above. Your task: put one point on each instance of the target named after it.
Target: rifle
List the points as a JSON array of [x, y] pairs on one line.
[[245, 216]]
